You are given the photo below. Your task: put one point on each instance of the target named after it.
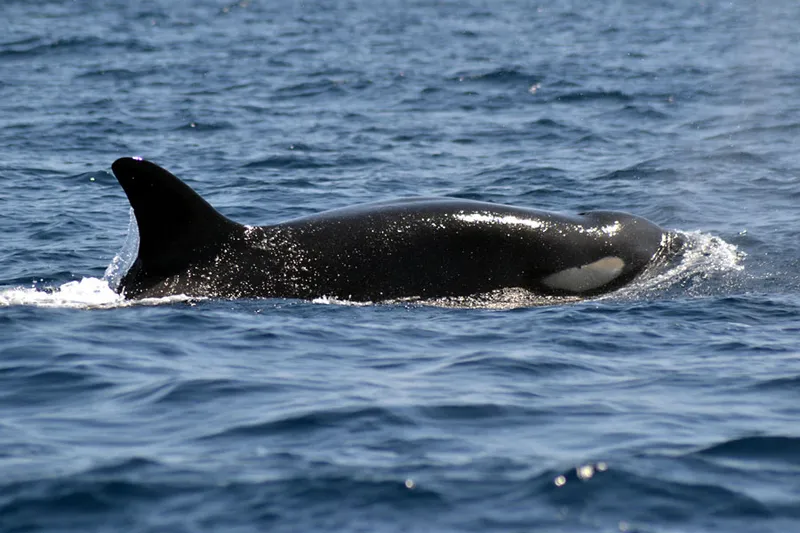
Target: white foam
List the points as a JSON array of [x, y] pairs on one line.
[[704, 257], [86, 293], [332, 300]]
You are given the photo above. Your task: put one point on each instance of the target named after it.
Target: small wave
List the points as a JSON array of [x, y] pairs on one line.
[[197, 391], [29, 48], [597, 485], [590, 96], [649, 170], [290, 161], [787, 384], [480, 413], [516, 367], [116, 74], [311, 89], [757, 448], [499, 76], [196, 126], [298, 161], [355, 418]]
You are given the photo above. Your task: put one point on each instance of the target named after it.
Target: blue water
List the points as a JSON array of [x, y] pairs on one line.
[[670, 406]]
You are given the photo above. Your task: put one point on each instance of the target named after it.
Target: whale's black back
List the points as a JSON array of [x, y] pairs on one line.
[[421, 247]]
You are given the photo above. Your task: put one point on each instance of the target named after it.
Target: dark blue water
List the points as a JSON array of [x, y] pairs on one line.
[[670, 406]]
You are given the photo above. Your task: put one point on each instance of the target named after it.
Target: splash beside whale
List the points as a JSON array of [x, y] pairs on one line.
[[413, 248]]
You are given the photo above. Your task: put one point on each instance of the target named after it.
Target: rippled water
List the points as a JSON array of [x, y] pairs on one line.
[[670, 405]]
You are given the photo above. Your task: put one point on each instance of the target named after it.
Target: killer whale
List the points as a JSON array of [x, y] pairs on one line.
[[415, 248]]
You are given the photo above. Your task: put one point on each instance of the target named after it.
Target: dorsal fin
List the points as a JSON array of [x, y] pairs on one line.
[[176, 226]]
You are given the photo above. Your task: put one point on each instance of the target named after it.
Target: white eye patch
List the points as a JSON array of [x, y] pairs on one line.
[[586, 277]]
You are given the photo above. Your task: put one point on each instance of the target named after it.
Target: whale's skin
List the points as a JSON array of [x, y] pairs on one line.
[[411, 248]]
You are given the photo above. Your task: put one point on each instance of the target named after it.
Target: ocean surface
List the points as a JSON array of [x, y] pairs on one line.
[[672, 405]]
